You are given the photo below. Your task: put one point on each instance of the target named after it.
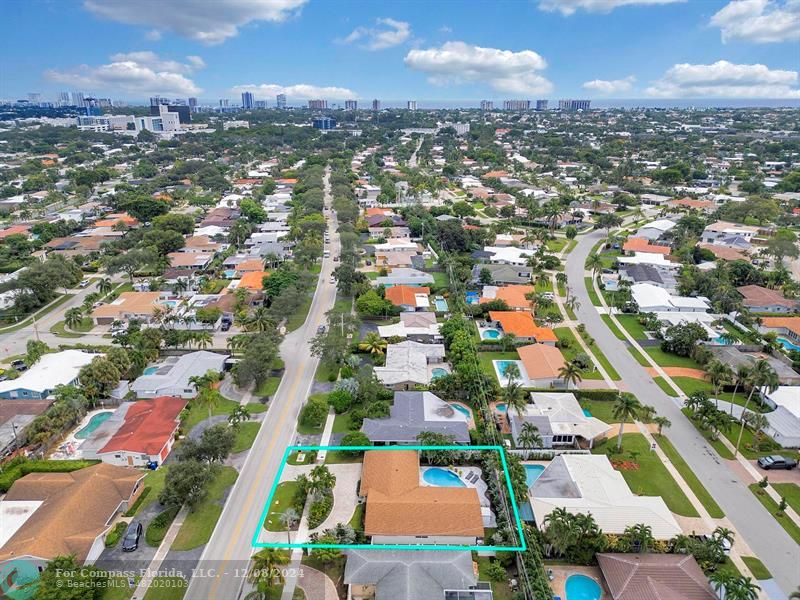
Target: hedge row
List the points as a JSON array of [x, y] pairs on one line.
[[19, 467]]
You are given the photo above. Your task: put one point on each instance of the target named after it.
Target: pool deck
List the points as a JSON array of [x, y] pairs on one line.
[[75, 443], [561, 572], [471, 419]]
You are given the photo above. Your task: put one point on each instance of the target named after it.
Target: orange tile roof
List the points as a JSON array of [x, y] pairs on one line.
[[494, 174], [371, 212], [544, 334], [519, 323], [541, 361], [132, 303], [252, 264], [692, 203], [111, 220], [398, 505], [148, 426], [725, 252], [790, 323], [405, 295], [286, 180], [640, 244], [253, 280], [514, 296], [15, 230]]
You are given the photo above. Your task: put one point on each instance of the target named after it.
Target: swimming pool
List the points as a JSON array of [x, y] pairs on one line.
[[502, 366], [501, 407], [229, 273], [532, 473], [462, 409], [490, 334], [169, 303], [787, 344], [95, 422], [150, 370], [581, 587], [438, 372], [587, 413], [472, 297], [440, 304], [442, 478]]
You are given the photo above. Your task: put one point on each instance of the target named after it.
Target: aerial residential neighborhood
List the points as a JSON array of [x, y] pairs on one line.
[[356, 339]]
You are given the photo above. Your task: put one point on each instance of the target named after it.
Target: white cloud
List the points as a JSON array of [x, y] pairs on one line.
[[610, 86], [445, 29], [723, 79], [503, 70], [201, 20], [568, 7], [299, 91], [153, 35], [133, 73], [387, 34], [760, 21]]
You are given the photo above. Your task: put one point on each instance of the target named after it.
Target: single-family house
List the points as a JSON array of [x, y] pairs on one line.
[[413, 413], [172, 376], [729, 234], [50, 371], [400, 510], [522, 326], [641, 273], [651, 298], [588, 484], [252, 280], [415, 326], [560, 421], [541, 365], [409, 298], [146, 432], [652, 576], [655, 230], [190, 260], [129, 305], [411, 363], [45, 515], [507, 255], [735, 357], [787, 328], [757, 298], [502, 274], [642, 244], [402, 276], [515, 296]]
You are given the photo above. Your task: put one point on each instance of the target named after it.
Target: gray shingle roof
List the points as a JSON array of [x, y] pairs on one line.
[[408, 419]]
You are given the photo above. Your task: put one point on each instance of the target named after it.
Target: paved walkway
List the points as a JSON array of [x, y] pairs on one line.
[[678, 372], [326, 435], [317, 585], [161, 554]]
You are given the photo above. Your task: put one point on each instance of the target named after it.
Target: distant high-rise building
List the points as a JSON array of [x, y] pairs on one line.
[[64, 99], [574, 104], [324, 123], [411, 105], [77, 99], [247, 100], [376, 104], [223, 103], [184, 112], [34, 97], [261, 104], [318, 104], [192, 103], [157, 100], [280, 101], [487, 105], [541, 105], [351, 104], [516, 104]]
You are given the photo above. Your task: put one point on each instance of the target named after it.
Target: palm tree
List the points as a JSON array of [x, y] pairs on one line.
[[514, 397], [181, 285], [321, 480], [288, 518], [260, 321], [560, 530], [203, 338], [572, 303], [595, 263], [760, 373], [724, 534], [73, 317], [640, 535], [626, 407], [105, 286], [373, 343], [570, 373], [662, 422], [209, 398], [561, 279], [646, 413], [718, 374], [529, 436], [512, 372], [741, 377], [721, 580], [264, 573]]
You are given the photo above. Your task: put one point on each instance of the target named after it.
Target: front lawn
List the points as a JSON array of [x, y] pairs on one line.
[[790, 491], [600, 409], [613, 327], [167, 588], [440, 279], [665, 387], [200, 522], [357, 520], [245, 436], [786, 522], [342, 423], [652, 477], [269, 387], [284, 494], [155, 481], [557, 245], [500, 589], [196, 414], [706, 499], [667, 359], [632, 326], [757, 568], [565, 334]]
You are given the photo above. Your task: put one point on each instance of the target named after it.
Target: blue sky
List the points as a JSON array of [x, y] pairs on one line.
[[446, 50]]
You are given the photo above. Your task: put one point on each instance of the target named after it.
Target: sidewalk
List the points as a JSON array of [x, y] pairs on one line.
[[161, 554]]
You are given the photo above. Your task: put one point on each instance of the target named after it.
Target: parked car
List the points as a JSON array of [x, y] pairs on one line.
[[321, 329], [776, 461], [225, 326], [333, 279], [19, 365], [131, 540], [84, 283]]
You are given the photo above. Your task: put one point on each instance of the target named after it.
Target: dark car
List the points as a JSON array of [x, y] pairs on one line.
[[225, 326], [131, 540], [19, 365], [321, 329], [776, 462]]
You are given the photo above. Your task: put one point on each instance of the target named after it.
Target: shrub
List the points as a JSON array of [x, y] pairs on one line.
[[357, 416], [158, 527], [319, 511], [495, 572], [378, 410], [135, 506], [115, 535], [20, 466], [314, 412], [340, 400]]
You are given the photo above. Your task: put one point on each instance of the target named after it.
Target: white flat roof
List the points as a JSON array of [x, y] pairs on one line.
[[58, 368], [13, 514], [787, 396]]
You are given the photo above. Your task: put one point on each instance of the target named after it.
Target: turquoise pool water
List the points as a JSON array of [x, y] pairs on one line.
[[462, 409], [532, 473], [170, 303], [150, 370], [440, 304], [787, 344], [502, 366], [442, 478], [501, 407], [491, 334], [587, 412], [230, 273], [472, 297], [581, 587], [93, 424], [438, 372]]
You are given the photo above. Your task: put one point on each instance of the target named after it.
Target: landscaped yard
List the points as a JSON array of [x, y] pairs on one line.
[[200, 522], [60, 329], [500, 589], [440, 279], [341, 423], [155, 481], [790, 491], [786, 522], [282, 500], [556, 245], [690, 478], [721, 449], [757, 568], [486, 358], [666, 359], [310, 429], [565, 334], [632, 326], [357, 520], [652, 477], [600, 409], [690, 385], [196, 413], [269, 387], [245, 436]]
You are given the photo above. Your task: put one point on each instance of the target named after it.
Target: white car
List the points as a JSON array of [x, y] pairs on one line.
[[333, 279]]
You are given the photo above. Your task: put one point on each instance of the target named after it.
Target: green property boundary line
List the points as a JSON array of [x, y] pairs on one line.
[[290, 449]]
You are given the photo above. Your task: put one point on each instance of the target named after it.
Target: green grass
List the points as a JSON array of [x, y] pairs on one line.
[[298, 317], [571, 246], [666, 359], [593, 298], [440, 279], [167, 588], [282, 500], [790, 526], [324, 373], [757, 568], [790, 491], [562, 289], [565, 333], [357, 520], [600, 409], [721, 449], [690, 478], [556, 245], [690, 385], [200, 522], [27, 320], [308, 429], [601, 358], [155, 481], [748, 439], [256, 407], [652, 477], [154, 534], [544, 286], [665, 387], [485, 359], [614, 329], [500, 589], [269, 387], [118, 588], [338, 457], [115, 535], [196, 414], [342, 424], [245, 436], [638, 357], [632, 326], [60, 328]]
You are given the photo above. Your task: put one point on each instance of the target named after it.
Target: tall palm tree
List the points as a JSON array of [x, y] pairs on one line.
[[625, 407], [209, 398], [640, 535], [512, 372], [529, 436], [740, 378], [260, 321], [595, 263], [760, 373], [572, 302], [662, 422], [73, 317], [570, 373], [718, 374], [721, 580], [560, 530], [561, 279], [203, 338], [264, 573], [373, 343], [724, 534], [288, 518], [105, 285], [514, 397]]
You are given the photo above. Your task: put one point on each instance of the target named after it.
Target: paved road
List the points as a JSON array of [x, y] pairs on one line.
[[764, 535], [229, 550]]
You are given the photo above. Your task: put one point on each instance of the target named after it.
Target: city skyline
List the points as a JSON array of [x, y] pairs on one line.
[[738, 49]]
